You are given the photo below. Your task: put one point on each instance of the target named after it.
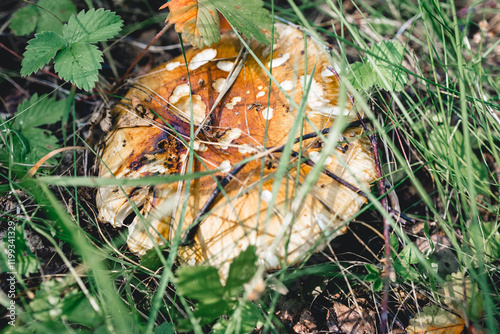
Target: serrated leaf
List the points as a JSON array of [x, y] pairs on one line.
[[199, 24], [409, 255], [200, 282], [197, 21], [23, 21], [50, 17], [40, 51], [38, 111], [41, 143], [434, 320], [391, 51], [62, 9], [79, 63], [92, 26], [241, 271], [165, 328], [249, 17], [366, 75]]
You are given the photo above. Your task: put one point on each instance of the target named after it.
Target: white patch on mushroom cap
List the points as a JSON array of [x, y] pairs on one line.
[[181, 101], [287, 85], [317, 101], [327, 73], [225, 166], [259, 94], [315, 156], [260, 88], [225, 65], [228, 137], [172, 65], [267, 196], [245, 149], [234, 100], [200, 147], [218, 84], [267, 113], [201, 58], [279, 61], [179, 92]]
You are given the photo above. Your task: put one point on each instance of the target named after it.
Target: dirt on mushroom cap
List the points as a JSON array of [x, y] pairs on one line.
[[236, 129]]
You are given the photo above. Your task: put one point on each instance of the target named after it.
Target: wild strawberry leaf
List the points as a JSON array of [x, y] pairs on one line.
[[23, 21], [47, 21], [199, 24], [40, 51], [38, 111], [79, 63], [92, 26], [41, 142], [383, 71], [48, 16], [249, 17]]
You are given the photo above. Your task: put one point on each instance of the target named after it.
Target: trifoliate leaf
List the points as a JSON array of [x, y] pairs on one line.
[[92, 26], [79, 63], [38, 111], [380, 72], [40, 51], [198, 20], [23, 21], [249, 17], [48, 16]]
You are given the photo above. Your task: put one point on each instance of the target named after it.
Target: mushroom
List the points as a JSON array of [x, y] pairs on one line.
[[236, 115]]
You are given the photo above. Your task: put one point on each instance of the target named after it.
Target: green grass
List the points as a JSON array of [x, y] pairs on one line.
[[440, 139]]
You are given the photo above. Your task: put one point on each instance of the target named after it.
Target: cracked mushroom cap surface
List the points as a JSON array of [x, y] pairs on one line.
[[236, 115]]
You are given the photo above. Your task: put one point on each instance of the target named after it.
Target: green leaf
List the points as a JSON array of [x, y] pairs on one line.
[[40, 51], [241, 271], [165, 328], [41, 143], [39, 111], [23, 21], [79, 63], [378, 285], [200, 282], [408, 255], [50, 17], [383, 71], [249, 17], [372, 269], [92, 26], [62, 9], [151, 260], [391, 51]]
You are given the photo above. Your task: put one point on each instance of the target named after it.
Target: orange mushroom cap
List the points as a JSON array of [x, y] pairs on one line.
[[151, 136]]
